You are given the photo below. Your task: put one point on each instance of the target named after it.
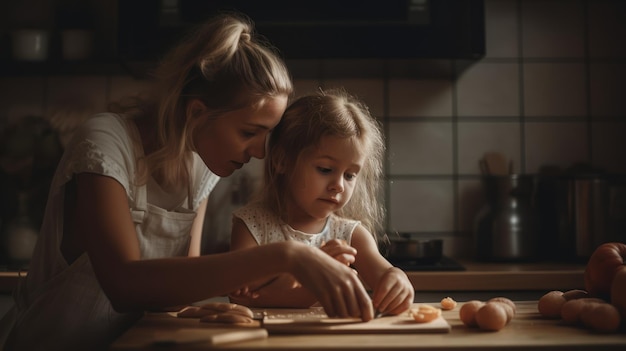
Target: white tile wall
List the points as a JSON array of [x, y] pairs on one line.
[[420, 148], [555, 144], [606, 90], [476, 138], [501, 28], [555, 89], [408, 210], [419, 98], [489, 89], [553, 28], [548, 92]]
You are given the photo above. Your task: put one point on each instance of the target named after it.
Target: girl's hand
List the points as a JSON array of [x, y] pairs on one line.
[[340, 250], [336, 286], [244, 292], [394, 292]]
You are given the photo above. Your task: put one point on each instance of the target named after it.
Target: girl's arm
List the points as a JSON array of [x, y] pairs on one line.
[[279, 291], [106, 232], [393, 292]]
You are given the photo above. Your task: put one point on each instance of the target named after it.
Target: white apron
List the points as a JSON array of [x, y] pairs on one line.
[[72, 312]]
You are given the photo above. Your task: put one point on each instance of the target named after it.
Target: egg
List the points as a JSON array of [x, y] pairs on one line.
[[575, 294], [467, 312], [601, 317], [509, 306], [550, 304], [492, 316], [572, 310]]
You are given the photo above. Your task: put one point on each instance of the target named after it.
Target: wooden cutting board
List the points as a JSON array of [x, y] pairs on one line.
[[157, 330], [315, 321]]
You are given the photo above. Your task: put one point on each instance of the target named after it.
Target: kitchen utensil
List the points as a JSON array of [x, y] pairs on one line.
[[404, 248], [497, 163], [578, 212], [506, 227]]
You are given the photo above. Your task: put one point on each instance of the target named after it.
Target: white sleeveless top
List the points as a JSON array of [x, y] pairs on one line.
[[267, 228], [62, 307]]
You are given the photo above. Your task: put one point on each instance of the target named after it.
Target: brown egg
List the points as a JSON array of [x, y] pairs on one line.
[[492, 316], [467, 312], [572, 310], [575, 294], [550, 304], [506, 301], [600, 317]]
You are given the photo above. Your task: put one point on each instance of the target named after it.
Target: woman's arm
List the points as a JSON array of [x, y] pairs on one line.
[[280, 291], [107, 234], [393, 291]]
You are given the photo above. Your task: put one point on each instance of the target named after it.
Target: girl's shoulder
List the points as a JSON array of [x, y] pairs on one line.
[[342, 224], [253, 209], [338, 220]]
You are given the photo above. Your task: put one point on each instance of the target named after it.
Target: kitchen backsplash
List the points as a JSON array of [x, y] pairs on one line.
[[548, 93]]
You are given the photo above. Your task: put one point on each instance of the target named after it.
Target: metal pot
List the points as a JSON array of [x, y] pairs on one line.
[[404, 249], [579, 212]]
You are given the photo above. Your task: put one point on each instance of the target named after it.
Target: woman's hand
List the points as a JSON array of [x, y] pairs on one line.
[[336, 286], [340, 250], [394, 292]]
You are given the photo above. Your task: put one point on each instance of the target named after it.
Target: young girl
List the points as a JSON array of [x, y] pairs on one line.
[[321, 187], [122, 226]]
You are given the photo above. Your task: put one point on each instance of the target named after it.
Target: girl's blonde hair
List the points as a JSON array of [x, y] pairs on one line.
[[328, 113], [227, 66]]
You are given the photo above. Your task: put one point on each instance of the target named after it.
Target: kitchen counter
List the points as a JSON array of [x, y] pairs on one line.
[[477, 277], [526, 330], [480, 276]]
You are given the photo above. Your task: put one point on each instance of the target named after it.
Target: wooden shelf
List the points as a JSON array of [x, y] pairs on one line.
[[11, 68]]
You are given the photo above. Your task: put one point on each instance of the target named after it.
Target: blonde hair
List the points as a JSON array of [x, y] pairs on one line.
[[223, 63], [309, 118]]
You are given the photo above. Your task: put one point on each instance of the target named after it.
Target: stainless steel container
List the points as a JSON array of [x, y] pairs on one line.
[[506, 227], [580, 212]]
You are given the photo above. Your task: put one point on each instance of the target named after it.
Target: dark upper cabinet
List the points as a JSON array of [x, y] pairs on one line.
[[320, 29]]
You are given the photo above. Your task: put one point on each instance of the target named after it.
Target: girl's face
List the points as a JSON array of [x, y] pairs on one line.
[[228, 142], [323, 181]]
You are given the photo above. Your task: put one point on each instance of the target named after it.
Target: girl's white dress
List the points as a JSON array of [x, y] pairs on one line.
[[267, 228]]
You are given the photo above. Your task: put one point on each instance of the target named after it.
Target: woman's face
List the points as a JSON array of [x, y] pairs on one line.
[[228, 142]]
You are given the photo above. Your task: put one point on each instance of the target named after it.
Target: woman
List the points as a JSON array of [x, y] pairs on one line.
[[121, 232]]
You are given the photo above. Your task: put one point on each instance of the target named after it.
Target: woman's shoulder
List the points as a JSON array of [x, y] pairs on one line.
[[101, 145], [111, 125], [108, 119]]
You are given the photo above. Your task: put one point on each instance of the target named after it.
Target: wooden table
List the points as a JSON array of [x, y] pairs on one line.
[[526, 330]]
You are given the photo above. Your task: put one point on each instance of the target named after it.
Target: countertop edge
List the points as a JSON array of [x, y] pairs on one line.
[[476, 277]]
